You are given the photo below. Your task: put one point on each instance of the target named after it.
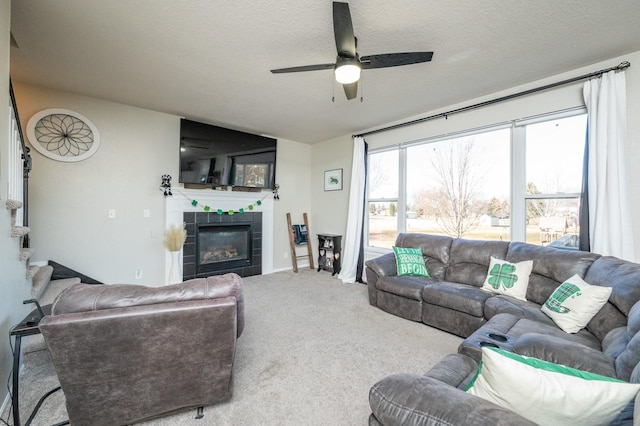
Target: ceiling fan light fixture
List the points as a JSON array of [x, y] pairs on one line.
[[347, 70]]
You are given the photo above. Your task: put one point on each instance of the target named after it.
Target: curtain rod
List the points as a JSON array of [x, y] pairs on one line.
[[620, 67]]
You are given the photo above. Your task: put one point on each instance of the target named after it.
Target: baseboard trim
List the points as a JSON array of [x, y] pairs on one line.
[[301, 265]]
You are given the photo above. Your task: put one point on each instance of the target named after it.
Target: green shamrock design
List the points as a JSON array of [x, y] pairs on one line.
[[502, 275]]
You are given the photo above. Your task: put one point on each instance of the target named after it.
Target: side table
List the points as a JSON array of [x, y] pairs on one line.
[[329, 250], [27, 327]]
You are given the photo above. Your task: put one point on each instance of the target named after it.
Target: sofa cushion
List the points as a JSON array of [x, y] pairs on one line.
[[548, 393], [633, 321], [514, 327], [409, 287], [527, 326], [615, 342], [622, 276], [608, 318], [552, 267], [505, 304], [469, 260], [409, 261], [511, 279], [624, 279], [455, 322], [574, 303], [455, 296], [564, 352], [628, 359]]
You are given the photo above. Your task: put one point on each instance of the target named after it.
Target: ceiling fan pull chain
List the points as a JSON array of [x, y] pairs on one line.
[[333, 90]]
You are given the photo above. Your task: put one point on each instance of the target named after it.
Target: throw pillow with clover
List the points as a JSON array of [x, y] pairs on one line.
[[574, 303], [511, 279]]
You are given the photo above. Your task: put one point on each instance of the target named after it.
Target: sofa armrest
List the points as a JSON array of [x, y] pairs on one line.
[[407, 399], [383, 265], [456, 370], [564, 352]]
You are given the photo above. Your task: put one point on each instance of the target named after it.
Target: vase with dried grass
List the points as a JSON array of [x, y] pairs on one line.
[[174, 239]]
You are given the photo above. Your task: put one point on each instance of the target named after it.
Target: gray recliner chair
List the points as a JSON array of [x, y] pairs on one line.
[[124, 353]]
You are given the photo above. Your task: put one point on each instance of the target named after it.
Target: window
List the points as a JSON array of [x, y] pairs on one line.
[[519, 181], [554, 156], [383, 198]]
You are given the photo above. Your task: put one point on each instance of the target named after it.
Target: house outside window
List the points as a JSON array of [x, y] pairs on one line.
[[517, 181]]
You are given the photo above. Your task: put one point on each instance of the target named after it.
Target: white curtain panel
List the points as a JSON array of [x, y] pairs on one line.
[[609, 201], [351, 242]]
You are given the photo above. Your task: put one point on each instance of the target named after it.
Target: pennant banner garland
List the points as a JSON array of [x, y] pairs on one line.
[[230, 212]]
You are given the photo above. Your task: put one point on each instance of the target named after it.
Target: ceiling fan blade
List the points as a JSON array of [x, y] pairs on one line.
[[343, 30], [394, 59], [304, 68], [351, 90]]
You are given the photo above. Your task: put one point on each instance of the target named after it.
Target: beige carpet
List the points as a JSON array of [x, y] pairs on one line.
[[311, 349]]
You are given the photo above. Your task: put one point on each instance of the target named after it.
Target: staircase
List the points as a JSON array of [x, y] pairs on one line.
[[19, 166], [19, 231]]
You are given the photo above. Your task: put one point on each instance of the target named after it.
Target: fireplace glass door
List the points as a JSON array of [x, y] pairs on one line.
[[222, 246]]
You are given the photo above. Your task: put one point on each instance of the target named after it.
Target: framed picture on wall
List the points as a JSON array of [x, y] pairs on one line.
[[333, 180]]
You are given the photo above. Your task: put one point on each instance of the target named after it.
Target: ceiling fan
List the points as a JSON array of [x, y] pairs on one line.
[[348, 63]]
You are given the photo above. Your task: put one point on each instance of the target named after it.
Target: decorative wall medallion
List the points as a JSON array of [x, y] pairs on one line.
[[63, 135]]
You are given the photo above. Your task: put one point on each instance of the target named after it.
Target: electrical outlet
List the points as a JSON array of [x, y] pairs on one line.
[[286, 255], [111, 213], [138, 274], [146, 213]]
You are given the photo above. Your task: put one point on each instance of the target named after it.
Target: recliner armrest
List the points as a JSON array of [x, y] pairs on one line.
[[383, 265], [408, 399]]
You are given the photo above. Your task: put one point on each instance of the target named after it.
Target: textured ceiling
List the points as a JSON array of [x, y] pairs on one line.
[[209, 60]]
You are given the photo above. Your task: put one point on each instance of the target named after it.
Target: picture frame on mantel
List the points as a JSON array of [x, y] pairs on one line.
[[333, 180]]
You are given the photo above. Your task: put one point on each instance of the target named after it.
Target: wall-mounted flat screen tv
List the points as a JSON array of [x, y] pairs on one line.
[[213, 156]]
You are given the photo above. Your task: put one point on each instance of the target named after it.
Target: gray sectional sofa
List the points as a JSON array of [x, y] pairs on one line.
[[451, 299]]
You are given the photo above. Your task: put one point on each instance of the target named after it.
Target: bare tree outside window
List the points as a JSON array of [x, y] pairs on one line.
[[458, 179], [377, 173]]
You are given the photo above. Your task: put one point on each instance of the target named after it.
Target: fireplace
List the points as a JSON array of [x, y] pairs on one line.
[[222, 243], [223, 246]]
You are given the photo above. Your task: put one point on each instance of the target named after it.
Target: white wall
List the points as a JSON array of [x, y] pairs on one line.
[[14, 287], [69, 201], [330, 209], [293, 174]]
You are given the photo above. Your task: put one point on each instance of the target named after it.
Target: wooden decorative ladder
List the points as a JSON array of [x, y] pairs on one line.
[[292, 243]]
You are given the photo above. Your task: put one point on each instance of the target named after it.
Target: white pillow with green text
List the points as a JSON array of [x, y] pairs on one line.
[[572, 305], [548, 393], [511, 279]]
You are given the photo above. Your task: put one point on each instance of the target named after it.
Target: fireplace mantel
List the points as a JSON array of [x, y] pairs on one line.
[[182, 199]]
